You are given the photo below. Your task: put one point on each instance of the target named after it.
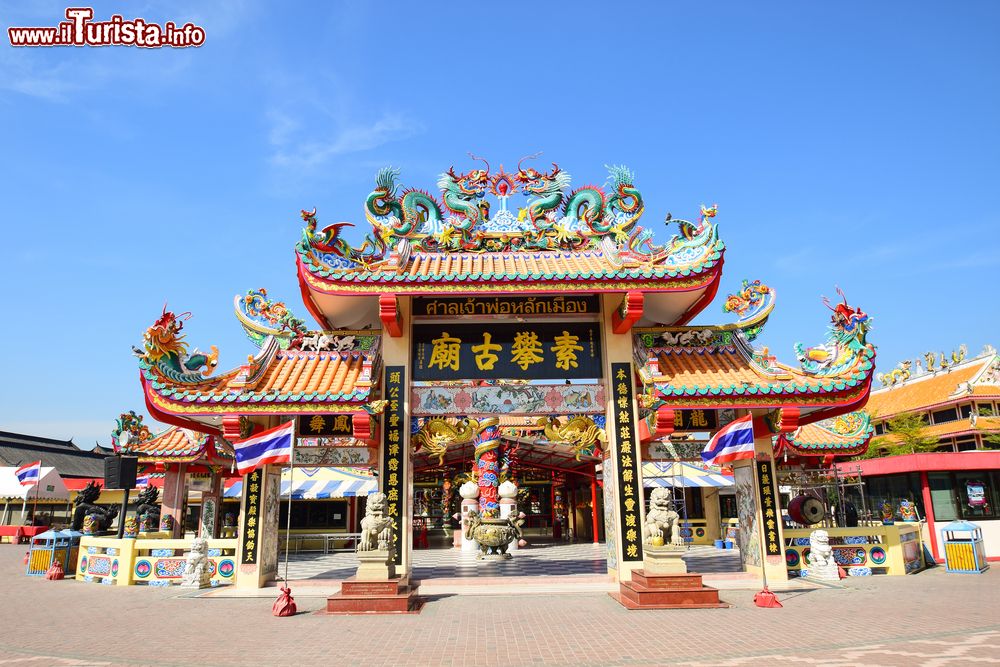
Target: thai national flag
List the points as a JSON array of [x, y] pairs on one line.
[[733, 442], [29, 473], [271, 446], [142, 481]]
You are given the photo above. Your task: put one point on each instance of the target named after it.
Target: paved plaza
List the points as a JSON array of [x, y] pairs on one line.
[[931, 618]]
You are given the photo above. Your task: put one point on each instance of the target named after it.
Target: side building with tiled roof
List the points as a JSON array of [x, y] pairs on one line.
[[960, 402], [69, 460]]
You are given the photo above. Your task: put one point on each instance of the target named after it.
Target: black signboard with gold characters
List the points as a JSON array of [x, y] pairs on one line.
[[524, 350], [695, 420], [392, 453], [629, 479], [451, 306], [250, 546], [330, 426], [769, 506]]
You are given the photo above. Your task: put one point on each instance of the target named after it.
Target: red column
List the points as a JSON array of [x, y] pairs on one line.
[[175, 496], [593, 505], [925, 487]]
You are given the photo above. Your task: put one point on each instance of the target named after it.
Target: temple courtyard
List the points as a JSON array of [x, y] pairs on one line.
[[931, 618]]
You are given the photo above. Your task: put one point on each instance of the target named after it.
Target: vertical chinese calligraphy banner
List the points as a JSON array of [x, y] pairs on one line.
[[768, 506], [393, 484], [627, 466], [250, 545]]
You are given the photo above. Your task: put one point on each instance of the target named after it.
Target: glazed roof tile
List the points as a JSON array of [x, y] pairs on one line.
[[280, 381], [173, 444], [728, 374], [426, 269], [956, 428], [930, 389], [845, 435]]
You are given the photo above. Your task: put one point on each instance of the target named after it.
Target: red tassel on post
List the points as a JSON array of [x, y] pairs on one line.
[[285, 604], [55, 572]]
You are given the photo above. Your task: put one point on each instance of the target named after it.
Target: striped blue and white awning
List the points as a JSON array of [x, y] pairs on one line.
[[318, 483], [678, 474]]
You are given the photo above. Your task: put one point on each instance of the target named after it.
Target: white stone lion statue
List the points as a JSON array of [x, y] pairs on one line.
[[196, 572], [376, 527], [822, 564], [662, 522]]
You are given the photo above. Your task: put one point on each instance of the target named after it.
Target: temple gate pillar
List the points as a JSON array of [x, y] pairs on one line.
[[395, 459], [175, 492], [622, 469], [759, 508], [211, 502], [257, 549], [713, 519]]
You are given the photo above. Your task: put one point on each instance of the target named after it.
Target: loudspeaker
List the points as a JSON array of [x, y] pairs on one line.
[[119, 472]]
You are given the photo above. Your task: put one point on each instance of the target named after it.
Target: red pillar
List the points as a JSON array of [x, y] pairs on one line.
[[925, 487], [593, 505], [175, 496]]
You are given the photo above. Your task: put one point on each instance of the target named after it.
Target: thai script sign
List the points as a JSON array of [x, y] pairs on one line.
[[629, 481], [326, 425], [532, 305], [529, 351], [252, 515], [765, 489], [392, 453]]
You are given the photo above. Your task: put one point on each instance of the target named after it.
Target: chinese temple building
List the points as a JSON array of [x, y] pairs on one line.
[[958, 399], [547, 342]]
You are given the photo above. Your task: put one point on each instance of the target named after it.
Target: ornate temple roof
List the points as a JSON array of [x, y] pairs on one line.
[[921, 385], [584, 240], [177, 445], [698, 366], [846, 435], [295, 372]]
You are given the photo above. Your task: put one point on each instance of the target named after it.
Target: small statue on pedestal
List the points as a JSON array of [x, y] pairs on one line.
[[821, 562], [662, 521], [376, 548], [196, 571]]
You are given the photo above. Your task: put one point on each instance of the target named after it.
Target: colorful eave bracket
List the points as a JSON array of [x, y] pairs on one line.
[[846, 435]]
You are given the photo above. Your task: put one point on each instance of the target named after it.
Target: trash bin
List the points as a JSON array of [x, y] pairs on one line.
[[50, 545], [964, 551]]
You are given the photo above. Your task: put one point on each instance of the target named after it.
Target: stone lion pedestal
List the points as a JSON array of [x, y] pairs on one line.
[[376, 566], [664, 583], [375, 589]]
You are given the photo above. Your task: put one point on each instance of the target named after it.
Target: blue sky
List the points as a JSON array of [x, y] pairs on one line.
[[852, 144]]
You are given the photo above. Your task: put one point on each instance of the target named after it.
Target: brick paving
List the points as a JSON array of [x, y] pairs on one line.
[[931, 618]]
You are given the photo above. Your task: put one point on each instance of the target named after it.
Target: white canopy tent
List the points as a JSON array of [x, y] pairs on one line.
[[50, 487]]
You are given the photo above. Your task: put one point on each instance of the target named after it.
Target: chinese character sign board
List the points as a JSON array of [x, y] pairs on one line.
[[627, 464], [769, 507], [326, 425], [529, 351], [250, 546], [393, 484], [695, 420]]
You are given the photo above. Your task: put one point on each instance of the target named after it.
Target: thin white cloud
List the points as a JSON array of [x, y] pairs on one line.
[[349, 138]]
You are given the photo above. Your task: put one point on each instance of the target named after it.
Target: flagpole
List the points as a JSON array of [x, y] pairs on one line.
[[291, 478]]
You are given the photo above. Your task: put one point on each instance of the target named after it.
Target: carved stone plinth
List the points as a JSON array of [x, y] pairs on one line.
[[663, 560], [376, 566], [395, 596], [667, 591]]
